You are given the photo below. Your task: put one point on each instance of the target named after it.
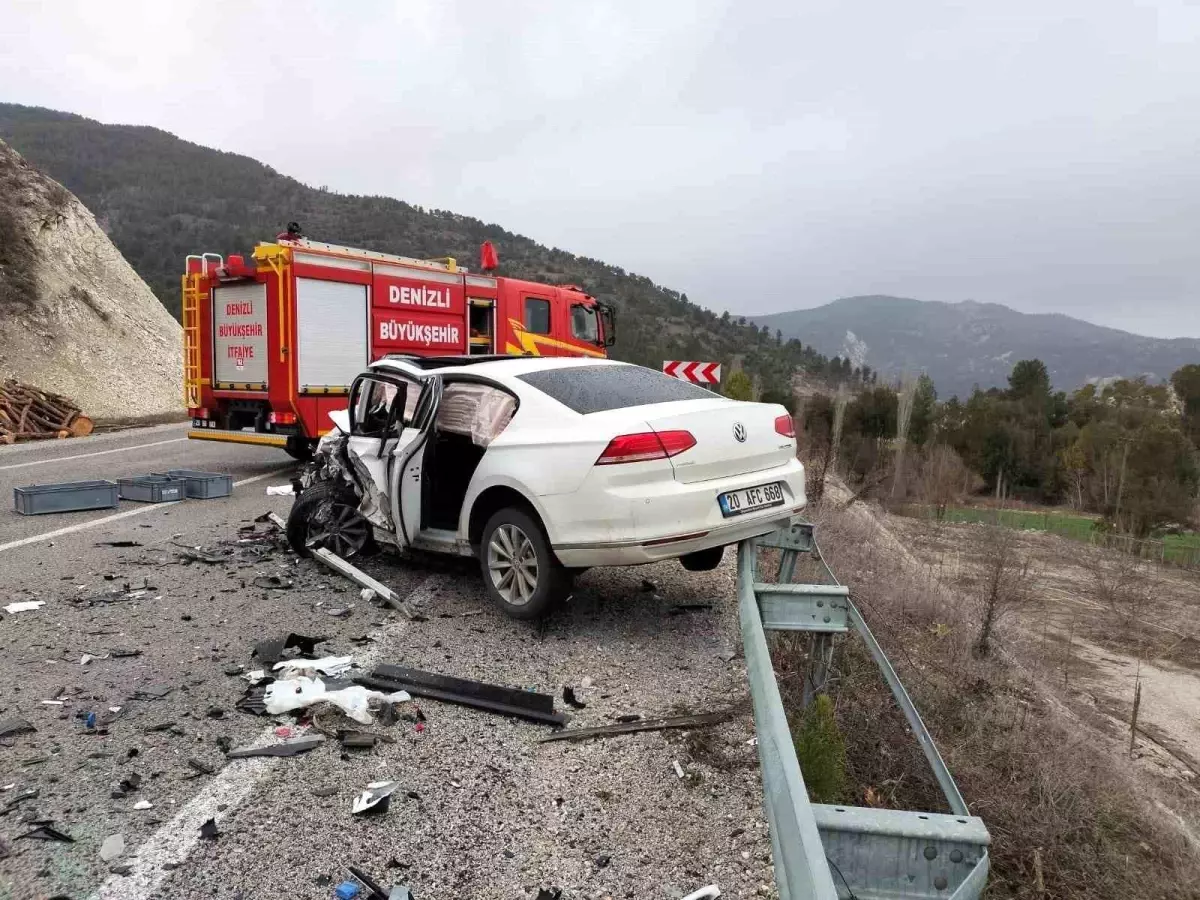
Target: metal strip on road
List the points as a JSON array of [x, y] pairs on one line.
[[46, 462], [171, 844], [104, 520]]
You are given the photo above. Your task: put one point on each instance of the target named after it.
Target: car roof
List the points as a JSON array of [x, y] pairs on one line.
[[491, 366]]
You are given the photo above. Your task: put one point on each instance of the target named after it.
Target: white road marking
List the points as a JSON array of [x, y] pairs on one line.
[[58, 459], [172, 843], [104, 520]]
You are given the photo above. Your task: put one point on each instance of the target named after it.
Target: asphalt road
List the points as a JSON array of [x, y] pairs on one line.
[[485, 810]]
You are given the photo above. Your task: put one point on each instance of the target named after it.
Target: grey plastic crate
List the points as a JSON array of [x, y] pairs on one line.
[[204, 485], [152, 488], [69, 496]]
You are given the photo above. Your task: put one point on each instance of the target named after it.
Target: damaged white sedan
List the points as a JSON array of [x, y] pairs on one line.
[[544, 467]]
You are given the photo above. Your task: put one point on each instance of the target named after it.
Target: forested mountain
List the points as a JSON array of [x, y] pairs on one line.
[[160, 198], [963, 344]]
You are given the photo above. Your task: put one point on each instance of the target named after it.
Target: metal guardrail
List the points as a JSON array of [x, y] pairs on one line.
[[824, 852]]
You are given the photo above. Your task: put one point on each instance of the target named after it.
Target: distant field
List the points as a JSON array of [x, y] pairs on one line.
[[1064, 523], [1183, 549]]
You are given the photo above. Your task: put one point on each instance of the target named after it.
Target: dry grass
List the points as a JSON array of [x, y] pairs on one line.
[[1046, 782]]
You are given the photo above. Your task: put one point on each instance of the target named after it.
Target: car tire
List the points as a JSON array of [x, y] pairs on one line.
[[513, 550], [299, 448], [703, 560], [334, 509]]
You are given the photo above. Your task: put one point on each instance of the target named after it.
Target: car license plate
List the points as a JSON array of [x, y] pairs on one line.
[[735, 503]]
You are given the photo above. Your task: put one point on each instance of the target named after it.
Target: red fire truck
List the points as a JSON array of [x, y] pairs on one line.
[[273, 341]]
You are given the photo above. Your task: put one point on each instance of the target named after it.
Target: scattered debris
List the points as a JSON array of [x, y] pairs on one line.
[[648, 586], [367, 595], [270, 652], [326, 665], [629, 717], [290, 694], [273, 583], [549, 894], [209, 830], [119, 544], [113, 846], [727, 655], [694, 721], [357, 740], [143, 804], [324, 791], [705, 893], [347, 890], [195, 554], [477, 694], [152, 692], [24, 606], [678, 768], [254, 676], [339, 565], [161, 726], [130, 783], [280, 490], [45, 832], [215, 712], [571, 700], [285, 748], [122, 654], [339, 612], [603, 861], [10, 727], [372, 886], [200, 766], [27, 794], [375, 799]]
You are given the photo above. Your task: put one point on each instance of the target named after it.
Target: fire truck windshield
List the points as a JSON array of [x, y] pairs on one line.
[[584, 323]]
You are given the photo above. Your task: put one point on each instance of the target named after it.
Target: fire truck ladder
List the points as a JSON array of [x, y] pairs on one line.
[[194, 290]]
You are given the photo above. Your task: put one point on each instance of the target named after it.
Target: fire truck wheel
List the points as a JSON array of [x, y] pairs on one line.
[[300, 448], [326, 515], [520, 572]]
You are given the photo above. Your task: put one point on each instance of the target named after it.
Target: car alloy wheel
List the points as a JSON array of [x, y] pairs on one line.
[[338, 528], [512, 564]]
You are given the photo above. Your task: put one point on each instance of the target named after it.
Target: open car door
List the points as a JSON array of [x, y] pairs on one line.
[[404, 472], [379, 420]]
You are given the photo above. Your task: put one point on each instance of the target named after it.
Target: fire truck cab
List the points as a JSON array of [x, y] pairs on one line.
[[272, 342]]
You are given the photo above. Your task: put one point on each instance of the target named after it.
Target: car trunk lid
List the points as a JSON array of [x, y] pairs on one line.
[[717, 425]]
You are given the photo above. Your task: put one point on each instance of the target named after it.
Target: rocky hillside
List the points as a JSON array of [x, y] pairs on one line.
[[160, 198], [963, 344], [74, 316]]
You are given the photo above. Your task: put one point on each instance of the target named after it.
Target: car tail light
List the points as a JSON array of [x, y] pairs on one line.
[[282, 418], [785, 426], [645, 445]]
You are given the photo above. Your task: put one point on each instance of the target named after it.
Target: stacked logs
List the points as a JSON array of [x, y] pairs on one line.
[[29, 414]]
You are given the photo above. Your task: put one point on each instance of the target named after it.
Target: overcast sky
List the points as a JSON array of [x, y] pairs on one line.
[[760, 156]]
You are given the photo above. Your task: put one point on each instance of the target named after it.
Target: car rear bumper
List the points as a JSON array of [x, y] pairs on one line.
[[643, 523], [636, 553]]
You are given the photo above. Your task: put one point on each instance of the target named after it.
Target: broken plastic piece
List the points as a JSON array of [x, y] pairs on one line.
[[24, 606], [705, 893], [280, 490], [200, 766], [571, 700], [143, 804], [270, 652], [339, 565], [357, 740], [289, 694], [375, 889], [46, 833], [347, 890], [549, 894], [696, 721], [493, 698], [375, 798], [678, 768], [9, 727], [152, 692], [327, 665], [209, 830], [285, 748]]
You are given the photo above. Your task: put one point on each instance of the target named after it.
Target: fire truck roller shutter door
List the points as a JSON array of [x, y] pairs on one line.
[[240, 334], [331, 330]]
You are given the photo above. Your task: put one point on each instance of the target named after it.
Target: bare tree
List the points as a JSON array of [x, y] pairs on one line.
[[943, 479], [1007, 581], [904, 405]]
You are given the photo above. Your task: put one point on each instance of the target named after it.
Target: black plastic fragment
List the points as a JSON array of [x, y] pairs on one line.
[[357, 740], [200, 766], [152, 692], [286, 748], [549, 894], [270, 652], [46, 833], [10, 727], [571, 700], [493, 698], [209, 830]]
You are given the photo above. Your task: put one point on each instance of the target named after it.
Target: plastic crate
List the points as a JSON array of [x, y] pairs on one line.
[[69, 496], [152, 488], [204, 485]]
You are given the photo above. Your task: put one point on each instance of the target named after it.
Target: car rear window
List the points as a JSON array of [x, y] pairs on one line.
[[589, 389]]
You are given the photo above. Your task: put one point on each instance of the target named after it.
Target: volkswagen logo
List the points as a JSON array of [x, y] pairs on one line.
[[739, 432]]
